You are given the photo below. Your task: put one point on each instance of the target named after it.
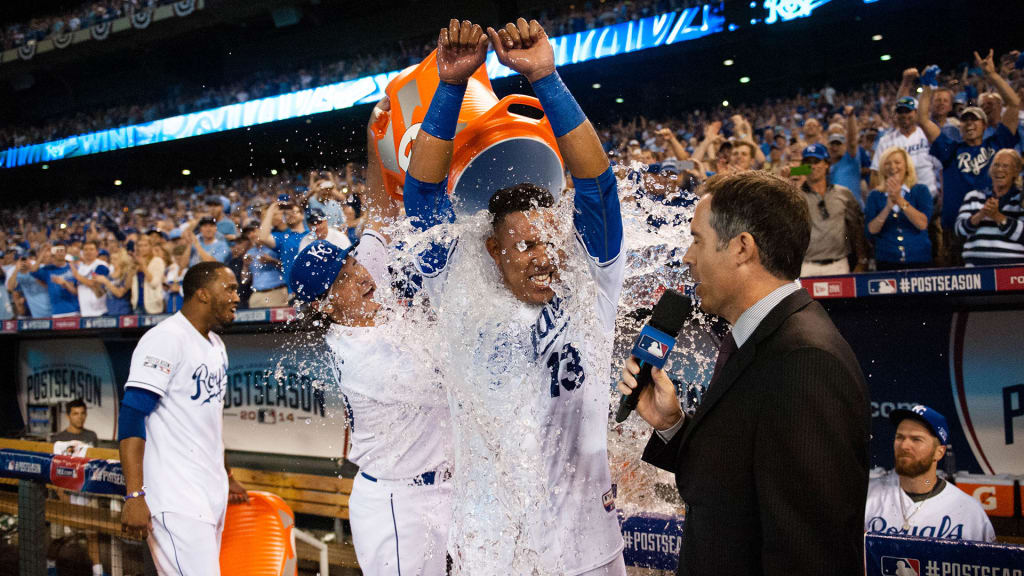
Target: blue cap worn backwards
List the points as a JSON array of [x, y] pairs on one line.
[[315, 269], [934, 421], [816, 151]]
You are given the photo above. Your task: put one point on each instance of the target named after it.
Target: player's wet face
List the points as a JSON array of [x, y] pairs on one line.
[[223, 295], [915, 449], [350, 300], [524, 246]]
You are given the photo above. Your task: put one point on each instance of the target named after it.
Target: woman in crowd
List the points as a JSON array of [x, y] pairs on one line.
[[173, 277], [148, 281], [991, 220], [118, 284], [897, 215]]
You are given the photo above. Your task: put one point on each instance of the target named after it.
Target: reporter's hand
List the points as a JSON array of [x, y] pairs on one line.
[[135, 518], [658, 403], [461, 49], [523, 46]]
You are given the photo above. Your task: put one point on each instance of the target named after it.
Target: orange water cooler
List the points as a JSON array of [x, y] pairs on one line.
[[494, 148]]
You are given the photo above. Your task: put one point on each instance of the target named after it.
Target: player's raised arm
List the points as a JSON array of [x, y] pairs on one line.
[[381, 209], [461, 49], [523, 46]]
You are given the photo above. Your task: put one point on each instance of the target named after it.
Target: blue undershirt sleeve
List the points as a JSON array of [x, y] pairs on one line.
[[596, 217], [135, 406]]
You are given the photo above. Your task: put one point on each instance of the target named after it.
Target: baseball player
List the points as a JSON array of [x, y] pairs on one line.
[[170, 429], [912, 500], [529, 369], [398, 413]]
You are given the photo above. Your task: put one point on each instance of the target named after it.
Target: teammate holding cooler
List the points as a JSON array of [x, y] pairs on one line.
[[170, 429], [400, 506], [528, 375], [912, 500]]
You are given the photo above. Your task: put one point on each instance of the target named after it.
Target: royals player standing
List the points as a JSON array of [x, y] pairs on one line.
[[398, 413], [529, 373], [170, 429]]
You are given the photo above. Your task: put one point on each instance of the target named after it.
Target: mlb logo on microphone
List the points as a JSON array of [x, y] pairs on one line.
[[653, 347], [882, 286], [895, 566]]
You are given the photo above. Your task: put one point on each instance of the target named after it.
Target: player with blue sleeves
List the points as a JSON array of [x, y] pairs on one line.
[[528, 374], [400, 507]]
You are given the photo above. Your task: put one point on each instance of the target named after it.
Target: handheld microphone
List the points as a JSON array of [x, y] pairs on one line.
[[655, 343]]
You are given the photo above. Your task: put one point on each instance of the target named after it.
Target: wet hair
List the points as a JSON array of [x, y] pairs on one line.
[[200, 276], [76, 403], [770, 209], [518, 198]]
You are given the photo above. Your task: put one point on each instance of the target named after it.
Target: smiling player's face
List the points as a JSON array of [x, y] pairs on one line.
[[223, 294], [524, 249]]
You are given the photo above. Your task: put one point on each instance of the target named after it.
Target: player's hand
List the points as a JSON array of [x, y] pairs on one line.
[[378, 117], [135, 518], [461, 49], [236, 492], [658, 404], [523, 46]]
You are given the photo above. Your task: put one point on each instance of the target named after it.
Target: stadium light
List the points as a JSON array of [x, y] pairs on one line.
[[745, 80], [596, 86], [919, 89], [273, 171], [63, 225], [186, 172], [46, 166], [117, 182], [725, 103], [885, 57], [728, 62], [876, 37], [619, 100]]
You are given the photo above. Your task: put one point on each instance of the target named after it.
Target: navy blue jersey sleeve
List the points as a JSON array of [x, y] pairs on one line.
[[597, 218], [944, 149]]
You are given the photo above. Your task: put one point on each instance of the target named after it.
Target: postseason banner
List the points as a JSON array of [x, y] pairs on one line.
[[52, 372], [281, 397], [902, 556]]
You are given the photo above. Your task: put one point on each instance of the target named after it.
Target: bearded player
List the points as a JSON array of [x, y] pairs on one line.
[[171, 429], [528, 374]]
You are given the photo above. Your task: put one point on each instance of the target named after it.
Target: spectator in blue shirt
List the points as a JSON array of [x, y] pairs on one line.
[[268, 285], [844, 152], [226, 229], [965, 164], [281, 229], [325, 197], [35, 293], [6, 307], [897, 215], [60, 283], [207, 247]]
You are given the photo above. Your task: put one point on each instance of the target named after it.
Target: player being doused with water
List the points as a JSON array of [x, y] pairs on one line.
[[395, 402], [527, 314]]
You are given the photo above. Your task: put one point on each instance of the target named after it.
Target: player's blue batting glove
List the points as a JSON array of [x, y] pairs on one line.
[[930, 77]]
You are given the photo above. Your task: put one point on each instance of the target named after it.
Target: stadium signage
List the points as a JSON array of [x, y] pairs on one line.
[[654, 31]]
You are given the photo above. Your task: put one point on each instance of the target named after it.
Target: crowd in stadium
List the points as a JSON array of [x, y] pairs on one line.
[[85, 16], [924, 172], [267, 83]]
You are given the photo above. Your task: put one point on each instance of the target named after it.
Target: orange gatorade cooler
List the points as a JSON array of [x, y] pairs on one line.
[[995, 493], [494, 148]]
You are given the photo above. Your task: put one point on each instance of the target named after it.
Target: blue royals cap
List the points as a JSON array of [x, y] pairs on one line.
[[907, 103], [315, 269], [934, 421], [816, 151]]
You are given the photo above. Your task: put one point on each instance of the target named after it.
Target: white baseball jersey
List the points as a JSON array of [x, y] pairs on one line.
[[183, 468], [388, 378], [529, 389], [917, 148], [89, 304], [951, 514]]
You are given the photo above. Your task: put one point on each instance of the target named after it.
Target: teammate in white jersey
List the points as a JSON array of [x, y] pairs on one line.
[[400, 507], [170, 429], [529, 364], [912, 500]]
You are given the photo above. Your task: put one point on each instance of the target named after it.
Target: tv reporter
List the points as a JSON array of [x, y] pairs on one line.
[[773, 465]]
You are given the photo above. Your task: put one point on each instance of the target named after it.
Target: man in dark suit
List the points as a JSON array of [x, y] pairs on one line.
[[773, 465]]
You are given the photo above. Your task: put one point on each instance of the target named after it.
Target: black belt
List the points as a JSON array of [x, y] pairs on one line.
[[825, 262]]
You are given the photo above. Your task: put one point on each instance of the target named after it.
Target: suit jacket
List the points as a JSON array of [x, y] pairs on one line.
[[773, 466]]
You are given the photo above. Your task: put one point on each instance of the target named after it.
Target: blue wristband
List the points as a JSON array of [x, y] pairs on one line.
[[560, 107], [443, 115]]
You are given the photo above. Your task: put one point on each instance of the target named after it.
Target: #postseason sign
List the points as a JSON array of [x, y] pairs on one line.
[[282, 398], [56, 371]]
